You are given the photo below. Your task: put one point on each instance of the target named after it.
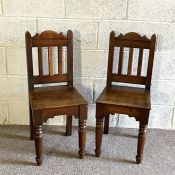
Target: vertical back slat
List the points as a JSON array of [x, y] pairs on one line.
[[110, 58], [139, 68], [130, 61], [120, 64], [50, 61], [70, 57], [40, 61], [60, 64]]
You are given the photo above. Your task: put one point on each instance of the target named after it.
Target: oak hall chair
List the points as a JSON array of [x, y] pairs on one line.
[[132, 101], [47, 102]]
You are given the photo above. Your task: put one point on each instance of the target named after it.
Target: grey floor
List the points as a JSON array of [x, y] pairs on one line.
[[17, 153]]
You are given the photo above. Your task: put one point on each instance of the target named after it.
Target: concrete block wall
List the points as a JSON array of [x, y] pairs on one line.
[[91, 22]]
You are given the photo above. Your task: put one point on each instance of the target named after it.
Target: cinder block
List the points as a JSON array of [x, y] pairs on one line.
[[166, 37], [151, 10], [13, 88], [111, 9], [85, 87], [18, 112], [34, 8], [2, 61], [163, 68], [16, 61], [163, 92], [13, 30], [85, 32], [86, 63], [4, 112], [161, 116], [105, 27]]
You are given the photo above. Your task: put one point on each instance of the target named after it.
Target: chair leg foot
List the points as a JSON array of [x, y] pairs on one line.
[[138, 160], [82, 138], [99, 132], [141, 142], [68, 125], [39, 161], [38, 145], [97, 153]]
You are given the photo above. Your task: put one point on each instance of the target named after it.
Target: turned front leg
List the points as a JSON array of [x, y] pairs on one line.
[[82, 138], [39, 145], [141, 142], [99, 132]]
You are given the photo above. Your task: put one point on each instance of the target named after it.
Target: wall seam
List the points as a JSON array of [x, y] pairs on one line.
[[127, 8], [89, 19], [2, 10], [98, 33], [173, 115]]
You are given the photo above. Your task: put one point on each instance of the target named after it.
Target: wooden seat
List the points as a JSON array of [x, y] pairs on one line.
[[56, 99], [51, 97], [132, 101], [125, 96]]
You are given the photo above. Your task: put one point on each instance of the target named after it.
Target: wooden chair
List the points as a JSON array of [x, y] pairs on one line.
[[135, 102], [47, 102]]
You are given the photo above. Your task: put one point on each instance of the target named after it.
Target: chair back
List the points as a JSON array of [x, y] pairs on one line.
[[49, 41], [131, 41]]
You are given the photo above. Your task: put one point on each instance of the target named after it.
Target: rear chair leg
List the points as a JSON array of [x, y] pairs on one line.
[[68, 125], [106, 125]]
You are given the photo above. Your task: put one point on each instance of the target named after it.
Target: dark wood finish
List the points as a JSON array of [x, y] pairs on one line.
[[99, 129], [68, 125], [106, 125], [120, 61], [139, 68], [130, 61], [39, 145], [50, 79], [40, 61], [128, 79], [134, 102], [50, 61], [47, 102], [141, 142], [60, 65]]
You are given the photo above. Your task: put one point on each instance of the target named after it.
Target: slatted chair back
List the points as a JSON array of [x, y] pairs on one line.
[[132, 41], [49, 39]]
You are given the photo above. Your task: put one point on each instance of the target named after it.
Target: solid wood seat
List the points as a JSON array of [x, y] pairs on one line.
[[52, 97], [131, 101], [125, 96]]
